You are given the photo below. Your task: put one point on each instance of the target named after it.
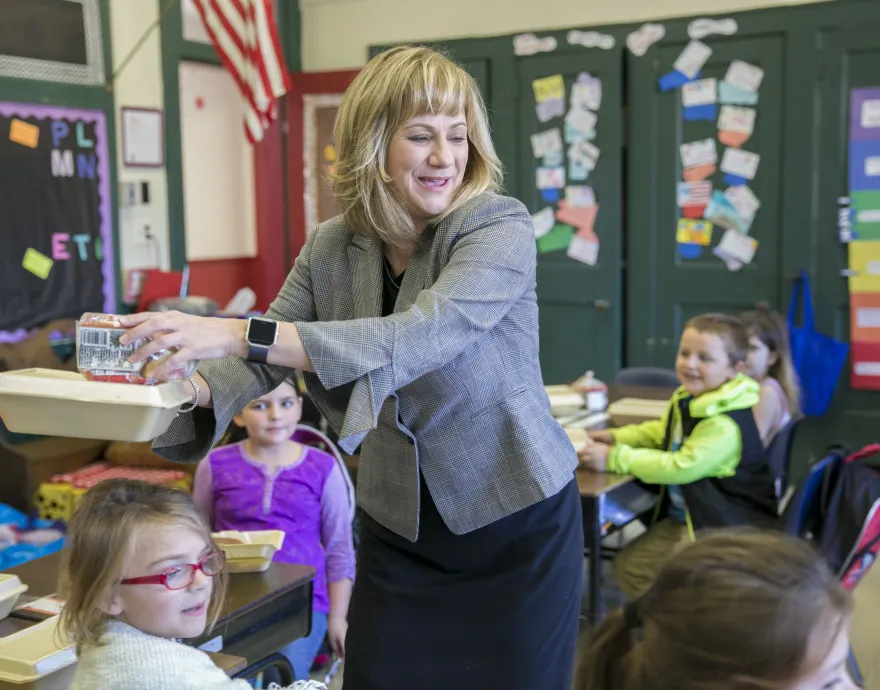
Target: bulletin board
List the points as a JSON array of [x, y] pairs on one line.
[[319, 153], [55, 219]]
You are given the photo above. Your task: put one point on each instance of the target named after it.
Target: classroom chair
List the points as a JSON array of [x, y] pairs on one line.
[[837, 506], [646, 377], [275, 664], [779, 456]]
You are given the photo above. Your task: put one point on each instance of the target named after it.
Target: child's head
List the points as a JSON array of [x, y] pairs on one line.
[[735, 610], [712, 351], [272, 418], [123, 530], [769, 353]]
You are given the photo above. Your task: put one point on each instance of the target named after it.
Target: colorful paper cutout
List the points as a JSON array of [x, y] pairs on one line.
[[38, 264], [740, 163], [577, 172], [692, 59], [24, 133], [586, 92], [702, 152], [689, 251], [529, 44], [551, 196], [865, 358], [590, 39], [583, 121], [737, 248], [733, 139], [744, 75], [698, 172], [860, 168], [546, 142], [865, 215], [584, 247], [694, 232], [864, 317], [644, 37], [724, 214], [543, 220], [584, 154], [674, 79], [733, 95], [550, 178], [743, 200], [693, 193], [557, 239], [546, 111], [700, 112], [548, 88], [864, 263], [581, 218], [699, 29], [699, 92], [580, 196]]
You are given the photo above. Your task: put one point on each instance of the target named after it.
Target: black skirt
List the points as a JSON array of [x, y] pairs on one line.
[[494, 608]]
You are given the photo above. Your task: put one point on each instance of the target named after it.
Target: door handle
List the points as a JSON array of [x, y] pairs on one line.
[[602, 304]]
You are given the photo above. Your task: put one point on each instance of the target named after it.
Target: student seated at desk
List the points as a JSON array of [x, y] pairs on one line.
[[737, 610], [706, 449], [268, 481], [141, 572]]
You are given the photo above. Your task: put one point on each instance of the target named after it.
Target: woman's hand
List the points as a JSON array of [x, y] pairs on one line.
[[595, 456], [601, 437], [337, 627], [192, 337]]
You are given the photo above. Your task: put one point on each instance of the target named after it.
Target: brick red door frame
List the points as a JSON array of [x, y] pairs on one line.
[[304, 83]]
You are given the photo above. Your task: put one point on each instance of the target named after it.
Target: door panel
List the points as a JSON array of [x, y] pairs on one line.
[[580, 305], [664, 290]]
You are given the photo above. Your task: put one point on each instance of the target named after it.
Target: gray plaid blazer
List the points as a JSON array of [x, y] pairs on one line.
[[448, 384]]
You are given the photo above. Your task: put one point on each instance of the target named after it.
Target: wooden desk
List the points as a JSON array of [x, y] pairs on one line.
[[228, 663], [278, 602], [593, 488]]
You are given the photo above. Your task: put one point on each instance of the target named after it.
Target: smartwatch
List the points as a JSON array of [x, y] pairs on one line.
[[260, 336]]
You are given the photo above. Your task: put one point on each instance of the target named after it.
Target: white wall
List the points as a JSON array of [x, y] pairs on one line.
[[336, 33], [140, 85]]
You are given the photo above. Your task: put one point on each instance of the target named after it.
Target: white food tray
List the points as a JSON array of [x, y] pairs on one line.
[[638, 407], [33, 653], [46, 402], [253, 551], [10, 590]]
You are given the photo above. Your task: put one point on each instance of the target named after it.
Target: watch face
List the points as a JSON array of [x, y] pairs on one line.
[[262, 332]]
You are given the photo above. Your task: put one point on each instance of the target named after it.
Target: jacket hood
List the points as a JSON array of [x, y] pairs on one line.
[[739, 393]]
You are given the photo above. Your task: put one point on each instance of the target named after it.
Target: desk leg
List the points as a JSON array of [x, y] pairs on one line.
[[594, 545]]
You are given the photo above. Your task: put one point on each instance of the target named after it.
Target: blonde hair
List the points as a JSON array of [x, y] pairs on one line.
[[731, 331], [396, 85], [100, 538], [771, 329], [737, 610]]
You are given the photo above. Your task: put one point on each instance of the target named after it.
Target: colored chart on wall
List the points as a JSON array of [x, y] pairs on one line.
[[57, 258], [864, 249]]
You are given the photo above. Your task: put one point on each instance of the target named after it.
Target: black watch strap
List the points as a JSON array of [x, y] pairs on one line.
[[257, 353]]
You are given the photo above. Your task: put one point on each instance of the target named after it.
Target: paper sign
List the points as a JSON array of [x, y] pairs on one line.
[[547, 110], [583, 218], [38, 264], [698, 172], [700, 92], [743, 200], [543, 221], [553, 159], [692, 58], [744, 76], [579, 196], [694, 232], [694, 193], [590, 39], [529, 44], [550, 178], [582, 120], [740, 163], [584, 154], [584, 247], [24, 133], [871, 114], [864, 310], [572, 135], [864, 262], [644, 37], [549, 88], [736, 119], [546, 142], [872, 166], [733, 95], [557, 239], [723, 213], [736, 246], [698, 153], [587, 95], [577, 172]]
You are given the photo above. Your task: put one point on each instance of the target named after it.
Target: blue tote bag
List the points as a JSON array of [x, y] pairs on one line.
[[818, 358]]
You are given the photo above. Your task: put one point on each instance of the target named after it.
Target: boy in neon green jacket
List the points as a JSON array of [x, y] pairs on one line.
[[706, 451]]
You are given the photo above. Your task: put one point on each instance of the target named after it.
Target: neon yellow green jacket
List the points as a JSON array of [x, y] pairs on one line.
[[713, 448]]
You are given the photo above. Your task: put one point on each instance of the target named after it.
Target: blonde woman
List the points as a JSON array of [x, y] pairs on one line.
[[414, 315]]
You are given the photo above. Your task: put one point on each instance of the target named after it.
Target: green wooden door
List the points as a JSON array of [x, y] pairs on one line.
[[580, 305], [664, 290]]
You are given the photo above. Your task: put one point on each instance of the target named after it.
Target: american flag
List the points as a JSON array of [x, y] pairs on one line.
[[694, 193], [245, 36]]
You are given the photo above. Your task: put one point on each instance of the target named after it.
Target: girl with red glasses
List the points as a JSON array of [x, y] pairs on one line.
[[141, 572]]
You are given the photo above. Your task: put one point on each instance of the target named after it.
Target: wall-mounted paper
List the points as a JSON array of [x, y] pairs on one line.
[[698, 29], [673, 80], [698, 172], [740, 163], [579, 196], [582, 218], [737, 119], [723, 213], [695, 113], [870, 114], [38, 264], [550, 178], [577, 172], [553, 159], [693, 193], [547, 110], [733, 139], [581, 120], [644, 37], [584, 247], [546, 142], [543, 221], [744, 76], [590, 39], [586, 93], [699, 92], [864, 262], [572, 135], [694, 232], [736, 247], [692, 58], [24, 133], [557, 239], [584, 154], [744, 200], [701, 152], [865, 317], [733, 95], [529, 44], [548, 88]]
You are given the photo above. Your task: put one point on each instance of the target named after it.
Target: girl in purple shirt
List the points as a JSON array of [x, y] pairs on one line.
[[268, 481]]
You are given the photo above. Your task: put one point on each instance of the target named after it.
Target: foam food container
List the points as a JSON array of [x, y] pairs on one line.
[[46, 402], [249, 552], [34, 657], [10, 590]]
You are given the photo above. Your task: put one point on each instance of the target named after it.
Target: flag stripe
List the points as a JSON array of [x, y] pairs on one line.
[[245, 35]]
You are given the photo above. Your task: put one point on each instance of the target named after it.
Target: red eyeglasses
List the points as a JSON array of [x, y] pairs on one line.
[[182, 576]]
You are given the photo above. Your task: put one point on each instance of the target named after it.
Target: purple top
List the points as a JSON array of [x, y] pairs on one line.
[[307, 501]]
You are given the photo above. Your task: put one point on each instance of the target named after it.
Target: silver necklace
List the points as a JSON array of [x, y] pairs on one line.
[[388, 273]]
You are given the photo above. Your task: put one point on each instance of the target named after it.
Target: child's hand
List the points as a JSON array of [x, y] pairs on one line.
[[601, 437], [337, 627], [595, 456]]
